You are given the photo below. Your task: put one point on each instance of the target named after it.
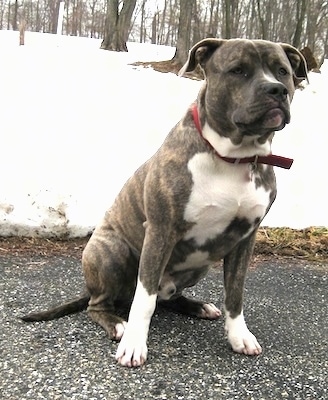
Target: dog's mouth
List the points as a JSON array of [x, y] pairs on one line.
[[273, 119]]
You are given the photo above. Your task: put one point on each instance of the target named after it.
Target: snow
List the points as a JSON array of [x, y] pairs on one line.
[[76, 121]]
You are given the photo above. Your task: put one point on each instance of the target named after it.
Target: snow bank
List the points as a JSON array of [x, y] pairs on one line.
[[76, 121]]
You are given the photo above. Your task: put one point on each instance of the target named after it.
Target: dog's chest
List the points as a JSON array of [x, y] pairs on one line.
[[222, 194]]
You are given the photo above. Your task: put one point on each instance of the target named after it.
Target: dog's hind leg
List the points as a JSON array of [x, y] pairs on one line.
[[110, 273], [191, 307], [111, 323]]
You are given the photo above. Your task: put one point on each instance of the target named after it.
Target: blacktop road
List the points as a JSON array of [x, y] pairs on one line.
[[71, 358]]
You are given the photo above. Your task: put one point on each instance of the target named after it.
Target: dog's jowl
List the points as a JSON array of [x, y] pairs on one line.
[[199, 199]]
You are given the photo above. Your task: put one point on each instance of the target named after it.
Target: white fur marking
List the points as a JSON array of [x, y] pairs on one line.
[[219, 194], [240, 338], [132, 350], [197, 259], [270, 78], [249, 147]]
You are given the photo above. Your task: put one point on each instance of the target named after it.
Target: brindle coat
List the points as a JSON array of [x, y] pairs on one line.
[[156, 231]]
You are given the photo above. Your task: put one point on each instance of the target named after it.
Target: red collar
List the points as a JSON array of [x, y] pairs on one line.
[[271, 159]]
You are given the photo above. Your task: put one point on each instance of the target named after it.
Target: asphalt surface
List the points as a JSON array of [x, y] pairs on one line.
[[71, 358]]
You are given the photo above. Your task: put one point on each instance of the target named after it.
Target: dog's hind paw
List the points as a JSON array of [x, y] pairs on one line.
[[119, 330], [210, 311]]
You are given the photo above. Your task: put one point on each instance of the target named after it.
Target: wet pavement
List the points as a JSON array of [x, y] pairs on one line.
[[71, 358]]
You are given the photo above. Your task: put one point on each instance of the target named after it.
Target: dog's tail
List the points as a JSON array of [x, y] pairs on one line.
[[70, 307]]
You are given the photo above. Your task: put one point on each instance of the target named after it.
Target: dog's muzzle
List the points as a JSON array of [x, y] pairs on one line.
[[267, 113]]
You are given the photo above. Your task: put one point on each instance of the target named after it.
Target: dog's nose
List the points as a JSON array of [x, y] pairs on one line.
[[167, 291], [276, 90]]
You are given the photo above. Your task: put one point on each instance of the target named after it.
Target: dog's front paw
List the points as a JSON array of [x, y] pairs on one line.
[[241, 339], [245, 343], [132, 350]]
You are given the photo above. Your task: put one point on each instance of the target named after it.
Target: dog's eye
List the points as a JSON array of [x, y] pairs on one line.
[[237, 71], [282, 71]]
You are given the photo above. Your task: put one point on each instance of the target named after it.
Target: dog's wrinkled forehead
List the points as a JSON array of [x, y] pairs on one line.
[[214, 54], [245, 52]]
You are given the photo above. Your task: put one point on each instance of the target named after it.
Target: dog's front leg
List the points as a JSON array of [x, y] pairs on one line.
[[235, 268], [132, 350]]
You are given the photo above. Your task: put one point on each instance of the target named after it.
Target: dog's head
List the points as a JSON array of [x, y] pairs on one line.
[[249, 84]]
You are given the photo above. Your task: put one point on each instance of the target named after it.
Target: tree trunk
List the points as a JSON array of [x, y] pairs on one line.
[[262, 23], [214, 17], [196, 36], [154, 24], [161, 29], [54, 15], [92, 9], [117, 25], [301, 10], [37, 17], [184, 31], [142, 23], [15, 22], [227, 19], [170, 39], [22, 25]]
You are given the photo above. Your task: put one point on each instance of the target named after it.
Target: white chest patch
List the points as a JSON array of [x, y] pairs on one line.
[[221, 192]]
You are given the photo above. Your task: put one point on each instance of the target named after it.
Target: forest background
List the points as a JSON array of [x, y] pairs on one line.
[[178, 23]]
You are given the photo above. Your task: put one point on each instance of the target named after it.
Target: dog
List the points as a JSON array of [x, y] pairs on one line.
[[198, 200]]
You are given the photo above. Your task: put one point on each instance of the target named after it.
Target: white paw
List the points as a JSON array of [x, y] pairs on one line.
[[132, 349], [119, 330], [245, 343], [241, 339], [209, 311]]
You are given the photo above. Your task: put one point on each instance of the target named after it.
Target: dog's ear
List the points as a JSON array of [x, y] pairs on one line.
[[200, 53], [297, 61]]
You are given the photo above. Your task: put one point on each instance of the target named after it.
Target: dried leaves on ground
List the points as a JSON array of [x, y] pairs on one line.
[[170, 66], [44, 247], [309, 244]]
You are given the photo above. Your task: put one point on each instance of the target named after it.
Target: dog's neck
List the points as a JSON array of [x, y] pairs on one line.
[[249, 147], [249, 151]]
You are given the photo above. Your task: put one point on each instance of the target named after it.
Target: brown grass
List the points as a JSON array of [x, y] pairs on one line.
[[309, 244], [171, 66]]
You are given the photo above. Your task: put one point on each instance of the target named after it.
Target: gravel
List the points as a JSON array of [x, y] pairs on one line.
[[71, 358]]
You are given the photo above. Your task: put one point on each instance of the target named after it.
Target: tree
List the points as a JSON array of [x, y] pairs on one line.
[[300, 16], [15, 17], [184, 31], [117, 25], [227, 18], [154, 26], [299, 22], [54, 9], [212, 26]]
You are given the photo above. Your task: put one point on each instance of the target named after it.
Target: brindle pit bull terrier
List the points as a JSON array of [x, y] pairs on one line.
[[199, 199]]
